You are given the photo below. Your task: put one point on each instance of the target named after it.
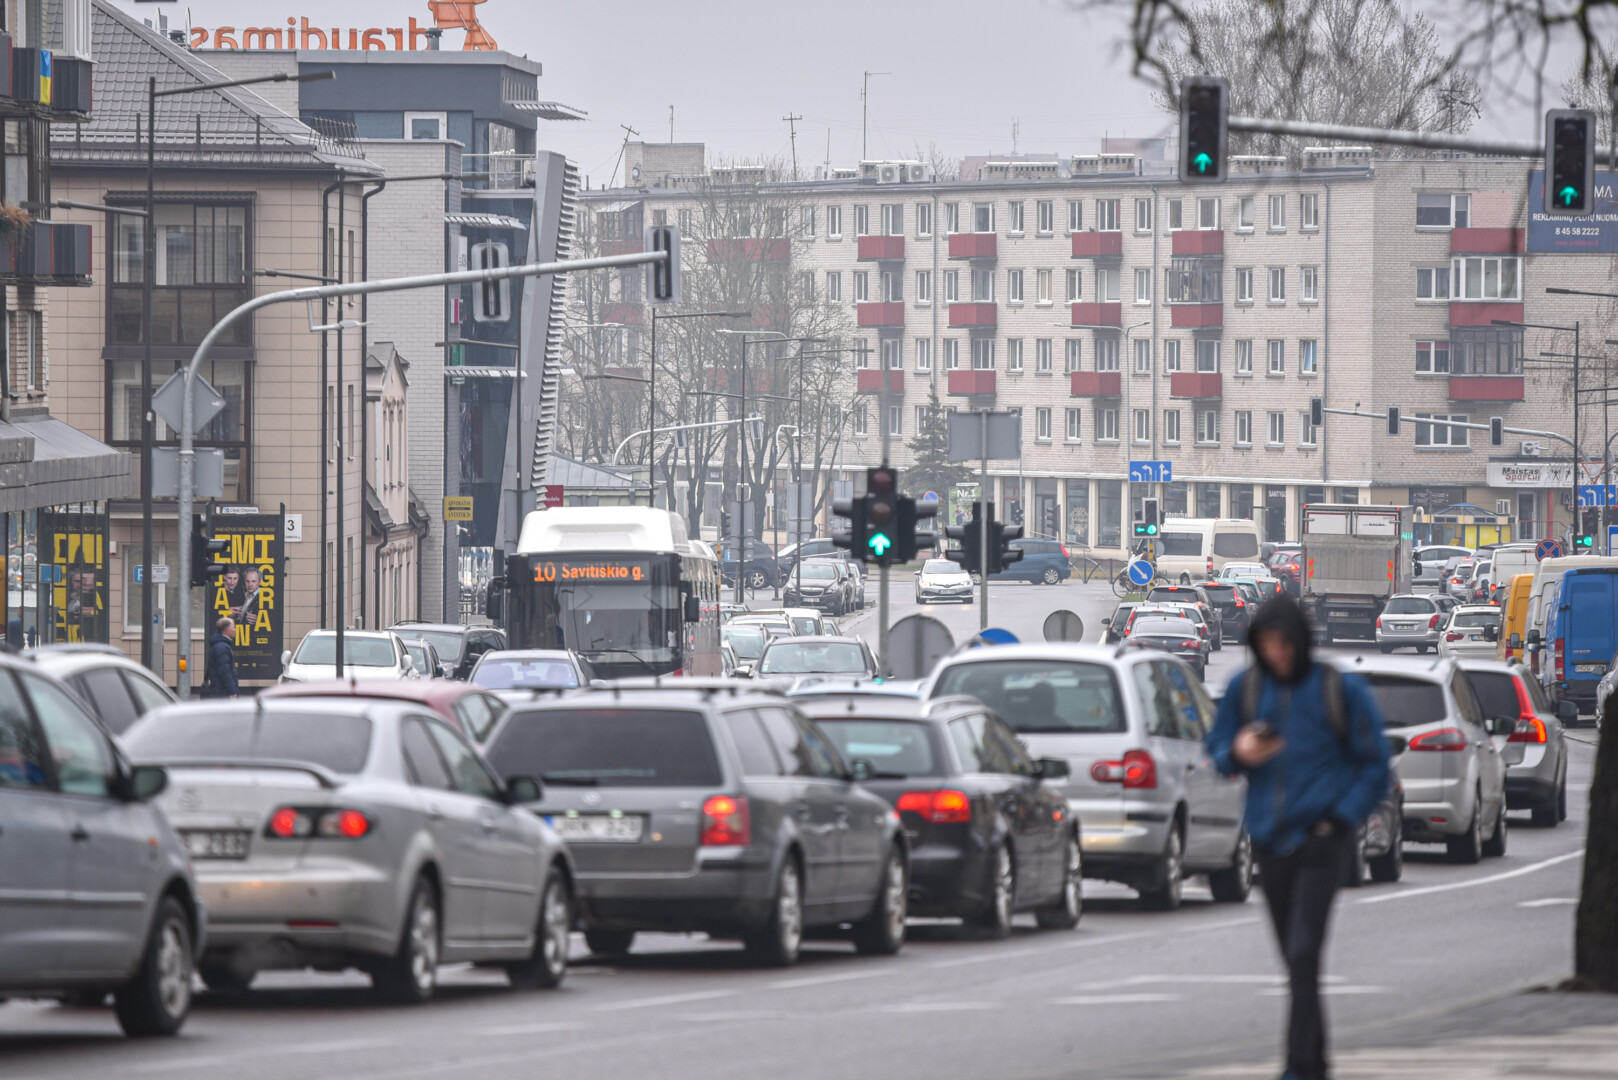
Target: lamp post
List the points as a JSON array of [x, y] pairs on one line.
[[1606, 406], [148, 428], [741, 449], [1573, 506]]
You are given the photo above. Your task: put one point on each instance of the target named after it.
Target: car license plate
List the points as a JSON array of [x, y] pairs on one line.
[[1404, 626], [215, 843], [1590, 669], [1339, 614], [598, 828]]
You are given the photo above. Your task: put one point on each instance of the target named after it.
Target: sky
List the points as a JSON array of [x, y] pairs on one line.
[[959, 74]]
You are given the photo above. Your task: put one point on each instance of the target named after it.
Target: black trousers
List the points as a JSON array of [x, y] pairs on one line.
[[1299, 888]]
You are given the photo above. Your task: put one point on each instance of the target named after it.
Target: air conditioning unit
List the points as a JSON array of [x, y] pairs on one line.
[[1502, 508], [1532, 448], [918, 172], [888, 173]]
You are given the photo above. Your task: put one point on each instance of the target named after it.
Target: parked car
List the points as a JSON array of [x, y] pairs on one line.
[[1235, 604], [118, 690], [939, 580], [1409, 621], [1470, 632], [1130, 722], [531, 669], [367, 654], [1173, 634], [760, 570], [458, 646], [1043, 562], [855, 576], [763, 832], [1198, 596], [989, 837], [99, 896], [1117, 623], [818, 656], [352, 832], [1537, 782], [424, 658], [1432, 560], [468, 708], [1452, 771], [818, 584]]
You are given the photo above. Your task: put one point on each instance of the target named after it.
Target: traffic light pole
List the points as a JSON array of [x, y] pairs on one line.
[[983, 500], [885, 667]]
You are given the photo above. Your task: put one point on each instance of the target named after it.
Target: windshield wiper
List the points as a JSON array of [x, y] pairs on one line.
[[570, 781], [641, 660]]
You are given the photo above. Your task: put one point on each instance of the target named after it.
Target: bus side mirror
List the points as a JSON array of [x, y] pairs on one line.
[[1514, 641], [693, 609], [1533, 637]]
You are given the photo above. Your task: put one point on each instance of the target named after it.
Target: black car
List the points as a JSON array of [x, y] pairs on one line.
[[1116, 622], [817, 584], [1170, 634], [988, 837], [760, 569], [1193, 594], [1235, 603], [458, 646]]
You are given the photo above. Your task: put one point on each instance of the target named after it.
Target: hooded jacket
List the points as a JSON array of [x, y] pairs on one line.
[[220, 675], [1319, 775]]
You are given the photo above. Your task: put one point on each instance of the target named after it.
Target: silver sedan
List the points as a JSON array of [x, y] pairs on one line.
[[1409, 621], [340, 833]]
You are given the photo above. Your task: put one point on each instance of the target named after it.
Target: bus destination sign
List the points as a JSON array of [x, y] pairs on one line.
[[599, 569]]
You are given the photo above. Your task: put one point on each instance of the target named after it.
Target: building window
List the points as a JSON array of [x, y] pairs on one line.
[[834, 222], [1042, 425], [806, 286], [1437, 434], [1014, 286], [1107, 425], [1278, 285], [1045, 217], [230, 431], [202, 256], [1143, 426], [684, 218], [1306, 430], [425, 125], [1278, 213], [1075, 424], [924, 354], [1308, 357], [860, 422], [1208, 213], [1075, 285], [1107, 216], [1443, 211], [1207, 354], [924, 286], [1075, 354], [952, 354], [896, 420], [862, 353], [952, 286], [862, 286], [892, 354], [862, 220], [1278, 429], [1106, 353], [1075, 216], [1042, 286], [806, 222], [1042, 356], [1173, 211], [1308, 284], [1195, 280], [892, 282], [952, 217], [38, 375], [1107, 286], [1244, 357], [1143, 356], [893, 219], [1207, 426], [1014, 220], [1486, 350], [1208, 500], [1143, 215], [1171, 427], [1014, 355], [1347, 496], [1308, 212], [1432, 358], [1486, 278], [1244, 427], [1244, 214], [1278, 357], [983, 217], [834, 287], [1244, 285], [1432, 283], [923, 416], [1171, 354], [983, 354], [983, 286], [1143, 286], [924, 219]]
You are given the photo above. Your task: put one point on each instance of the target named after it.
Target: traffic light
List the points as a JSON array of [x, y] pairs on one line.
[[1204, 109], [1393, 419], [970, 554], [1147, 524], [1052, 523], [664, 287], [1587, 541], [853, 538], [1317, 412], [1497, 431], [881, 515], [1570, 162], [204, 548], [1001, 553], [909, 541]]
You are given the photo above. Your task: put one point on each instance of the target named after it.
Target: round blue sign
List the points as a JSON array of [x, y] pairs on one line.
[[931, 496], [1141, 572], [996, 636], [1548, 549]]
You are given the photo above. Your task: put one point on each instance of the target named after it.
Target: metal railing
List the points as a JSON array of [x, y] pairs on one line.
[[504, 171]]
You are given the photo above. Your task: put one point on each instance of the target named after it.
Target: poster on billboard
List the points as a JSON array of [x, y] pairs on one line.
[[249, 590], [75, 546], [1593, 235]]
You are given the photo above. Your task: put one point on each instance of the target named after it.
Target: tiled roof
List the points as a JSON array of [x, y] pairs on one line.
[[209, 127]]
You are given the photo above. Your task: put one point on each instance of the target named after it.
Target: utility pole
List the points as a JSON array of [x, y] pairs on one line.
[[628, 131], [671, 123], [792, 133], [865, 112]]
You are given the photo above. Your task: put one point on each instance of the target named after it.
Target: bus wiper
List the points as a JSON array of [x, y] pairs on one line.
[[569, 780], [639, 659]]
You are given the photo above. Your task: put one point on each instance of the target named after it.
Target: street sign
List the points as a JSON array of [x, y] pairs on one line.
[[207, 472], [1151, 472], [1141, 572], [966, 435], [457, 508], [160, 574], [294, 528], [994, 635], [1590, 494], [931, 496], [1548, 549], [169, 399], [1063, 626], [550, 496], [916, 643]]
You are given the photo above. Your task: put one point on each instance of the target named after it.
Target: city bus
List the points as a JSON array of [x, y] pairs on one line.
[[622, 586]]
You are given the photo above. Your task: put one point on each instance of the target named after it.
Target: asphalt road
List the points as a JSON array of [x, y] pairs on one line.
[[1127, 994]]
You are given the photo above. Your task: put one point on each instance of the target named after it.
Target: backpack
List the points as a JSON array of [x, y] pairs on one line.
[[1331, 689]]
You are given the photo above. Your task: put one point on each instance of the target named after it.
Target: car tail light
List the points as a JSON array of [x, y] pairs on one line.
[[1453, 636], [1191, 644], [946, 807], [1444, 739], [1202, 630], [1530, 728], [1240, 602], [1561, 662], [1064, 551], [726, 822], [327, 823], [1135, 770], [1379, 622], [1432, 623]]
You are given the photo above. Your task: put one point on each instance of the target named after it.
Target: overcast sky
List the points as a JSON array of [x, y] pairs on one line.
[[962, 72]]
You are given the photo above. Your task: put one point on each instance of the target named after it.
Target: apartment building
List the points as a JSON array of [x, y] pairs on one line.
[[1132, 318]]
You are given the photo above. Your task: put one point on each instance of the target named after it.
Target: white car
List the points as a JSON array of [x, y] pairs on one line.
[[367, 654], [1470, 633], [1245, 569], [939, 580]]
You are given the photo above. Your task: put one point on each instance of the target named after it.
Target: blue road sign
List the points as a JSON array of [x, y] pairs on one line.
[[1590, 494], [1141, 572], [931, 496], [1151, 472], [996, 636], [1548, 549]]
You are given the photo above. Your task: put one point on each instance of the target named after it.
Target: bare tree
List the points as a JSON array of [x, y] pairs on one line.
[[944, 167], [1591, 89], [604, 400]]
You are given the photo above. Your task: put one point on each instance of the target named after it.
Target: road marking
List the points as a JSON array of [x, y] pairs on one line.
[[1277, 991], [530, 1029], [818, 980], [666, 999], [1117, 999], [1550, 901], [941, 1006], [1491, 879]]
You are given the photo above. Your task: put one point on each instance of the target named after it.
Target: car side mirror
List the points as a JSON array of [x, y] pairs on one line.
[[524, 789], [1051, 768], [693, 609], [861, 770], [286, 658], [1397, 744], [1533, 637], [147, 782], [446, 671], [1567, 712], [1107, 621], [1514, 641]]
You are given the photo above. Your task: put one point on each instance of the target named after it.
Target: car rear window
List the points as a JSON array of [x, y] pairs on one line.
[[813, 657], [1496, 692], [640, 748], [358, 651], [340, 743], [448, 645], [1173, 594], [901, 747], [1408, 605], [1162, 627], [1475, 618], [1041, 696], [1223, 594], [1407, 702], [1235, 545], [1180, 543], [537, 674]]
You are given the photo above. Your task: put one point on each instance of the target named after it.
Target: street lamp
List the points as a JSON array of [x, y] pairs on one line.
[[742, 485]]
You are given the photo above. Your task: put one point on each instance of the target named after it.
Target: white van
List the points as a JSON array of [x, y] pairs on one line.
[[1194, 549], [1509, 561], [1547, 577]]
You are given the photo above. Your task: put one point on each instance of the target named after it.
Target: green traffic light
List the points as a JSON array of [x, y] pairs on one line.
[[1569, 195], [879, 544], [1151, 530], [1202, 162]]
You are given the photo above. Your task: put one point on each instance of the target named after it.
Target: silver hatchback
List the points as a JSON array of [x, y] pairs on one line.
[[1409, 621]]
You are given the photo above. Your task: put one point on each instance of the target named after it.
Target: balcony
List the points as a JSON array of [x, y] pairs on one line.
[[1098, 314], [625, 312], [1198, 242], [881, 248], [871, 381], [891, 313], [1098, 245], [1195, 384], [980, 316], [632, 246], [1486, 388], [971, 246], [1097, 384], [1487, 241], [971, 383], [748, 249], [46, 253], [1476, 313], [1197, 316]]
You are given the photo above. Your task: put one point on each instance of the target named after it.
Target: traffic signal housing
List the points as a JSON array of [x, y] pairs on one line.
[[1570, 162], [852, 538], [1317, 412], [1001, 553], [1393, 419], [970, 536], [881, 515], [204, 569], [1497, 431], [908, 541], [664, 284], [1150, 521], [1204, 112]]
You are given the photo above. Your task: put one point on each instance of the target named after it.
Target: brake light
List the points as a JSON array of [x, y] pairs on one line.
[[1444, 739], [1202, 630], [1191, 644], [327, 823], [939, 807], [1530, 728], [726, 822], [1135, 770], [1240, 602], [1064, 551], [1453, 636], [1379, 622], [288, 823], [1561, 662], [1432, 623]]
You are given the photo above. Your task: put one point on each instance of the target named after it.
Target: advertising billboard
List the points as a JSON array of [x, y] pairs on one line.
[[1593, 235], [249, 590]]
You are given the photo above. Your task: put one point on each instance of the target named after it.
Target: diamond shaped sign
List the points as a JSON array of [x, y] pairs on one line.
[[169, 399]]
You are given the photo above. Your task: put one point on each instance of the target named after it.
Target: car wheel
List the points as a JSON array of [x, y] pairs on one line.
[[1171, 868], [1561, 800], [1468, 847], [1385, 649], [882, 932], [157, 999], [609, 942], [977, 577], [1050, 576], [1063, 913], [546, 966], [757, 580], [410, 975], [1390, 866], [1219, 641], [1354, 865], [995, 919], [776, 943], [225, 978], [1234, 884], [1495, 845], [1546, 814]]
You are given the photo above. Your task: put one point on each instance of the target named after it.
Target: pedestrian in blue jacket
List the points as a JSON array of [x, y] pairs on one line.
[[219, 662], [1310, 742]]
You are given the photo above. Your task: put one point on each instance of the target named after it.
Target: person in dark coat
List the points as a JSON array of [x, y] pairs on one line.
[[219, 673]]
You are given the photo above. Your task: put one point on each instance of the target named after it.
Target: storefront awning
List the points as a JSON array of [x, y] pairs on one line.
[[45, 462]]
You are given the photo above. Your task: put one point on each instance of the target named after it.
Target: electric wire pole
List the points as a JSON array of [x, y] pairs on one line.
[[792, 133]]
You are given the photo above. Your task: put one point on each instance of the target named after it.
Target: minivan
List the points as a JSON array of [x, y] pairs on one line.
[[1581, 636], [1509, 561], [1043, 562], [1194, 549], [1546, 576], [1514, 601]]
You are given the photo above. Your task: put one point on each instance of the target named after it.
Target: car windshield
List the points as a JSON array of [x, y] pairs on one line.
[[640, 748], [339, 743], [1475, 618], [940, 566], [1158, 626], [1497, 693], [546, 673], [1407, 702], [357, 651], [1173, 595], [902, 747], [1408, 605], [448, 645], [815, 571], [747, 641], [1464, 571], [418, 658], [1041, 696], [803, 624], [813, 657]]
